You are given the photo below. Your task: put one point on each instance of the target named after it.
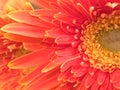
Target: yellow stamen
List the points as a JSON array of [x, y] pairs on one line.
[[97, 42]]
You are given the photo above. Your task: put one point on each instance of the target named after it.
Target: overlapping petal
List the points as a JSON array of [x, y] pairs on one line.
[[59, 26]]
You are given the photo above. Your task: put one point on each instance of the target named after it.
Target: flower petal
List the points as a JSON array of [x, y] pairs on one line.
[[33, 46], [117, 85], [92, 71], [2, 4], [40, 57], [25, 17], [95, 86], [101, 77], [115, 77], [69, 19], [65, 58], [45, 81], [54, 33], [68, 7], [42, 3], [24, 29], [47, 12], [83, 6], [90, 80], [80, 72], [49, 67], [64, 39], [105, 84], [67, 65], [19, 38], [66, 52], [30, 77]]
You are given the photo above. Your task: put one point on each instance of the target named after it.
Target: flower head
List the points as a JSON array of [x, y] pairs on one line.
[[10, 49], [76, 44]]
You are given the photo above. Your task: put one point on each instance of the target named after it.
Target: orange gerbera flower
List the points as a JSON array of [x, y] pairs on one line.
[[10, 49], [77, 39]]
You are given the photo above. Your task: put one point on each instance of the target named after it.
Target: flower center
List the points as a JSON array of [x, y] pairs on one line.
[[101, 42], [110, 40]]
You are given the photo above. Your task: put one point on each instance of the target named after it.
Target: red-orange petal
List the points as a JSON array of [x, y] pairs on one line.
[[67, 65], [95, 86], [63, 59], [54, 33], [80, 72], [40, 57], [92, 71], [33, 46], [30, 77], [46, 81], [64, 39], [49, 67], [2, 4], [24, 16], [47, 12], [24, 29], [115, 77], [19, 38], [104, 86], [117, 85], [66, 52], [42, 3], [68, 19], [101, 77], [90, 80]]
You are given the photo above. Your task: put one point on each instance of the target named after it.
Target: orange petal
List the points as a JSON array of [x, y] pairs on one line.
[[23, 29], [71, 20], [110, 86], [42, 3], [66, 52], [64, 76], [84, 6], [19, 38], [63, 59], [90, 80], [82, 84], [46, 81], [67, 86], [30, 77], [49, 67], [68, 6], [115, 76], [33, 46], [21, 5], [95, 86], [2, 22], [101, 77], [117, 85], [40, 57], [54, 33], [68, 64], [64, 39], [26, 17], [105, 84], [2, 4], [47, 12], [80, 72], [92, 71]]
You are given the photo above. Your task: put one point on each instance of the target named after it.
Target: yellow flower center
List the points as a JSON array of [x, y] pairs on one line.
[[101, 42]]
